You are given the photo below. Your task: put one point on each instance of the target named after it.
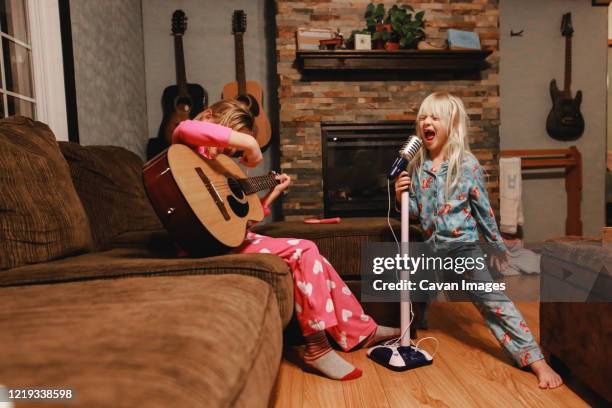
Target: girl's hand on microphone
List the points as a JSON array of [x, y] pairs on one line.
[[402, 183]]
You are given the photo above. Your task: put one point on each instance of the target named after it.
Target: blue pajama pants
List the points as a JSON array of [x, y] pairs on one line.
[[500, 314]]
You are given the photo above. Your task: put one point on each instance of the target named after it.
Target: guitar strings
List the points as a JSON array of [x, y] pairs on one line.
[[227, 184], [225, 188]]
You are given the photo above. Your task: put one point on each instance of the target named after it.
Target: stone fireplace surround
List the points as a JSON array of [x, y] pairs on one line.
[[306, 100]]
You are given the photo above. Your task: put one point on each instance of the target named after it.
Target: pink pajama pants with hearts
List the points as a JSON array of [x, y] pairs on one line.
[[322, 299]]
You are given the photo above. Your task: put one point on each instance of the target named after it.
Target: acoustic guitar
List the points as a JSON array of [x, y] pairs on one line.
[[565, 121], [204, 204], [249, 92], [181, 101]]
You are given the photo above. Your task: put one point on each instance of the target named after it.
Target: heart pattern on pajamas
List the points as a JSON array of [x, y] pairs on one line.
[[322, 299], [329, 307], [306, 288]]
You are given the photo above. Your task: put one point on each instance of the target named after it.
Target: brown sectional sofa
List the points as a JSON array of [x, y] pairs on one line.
[[93, 298], [87, 304]]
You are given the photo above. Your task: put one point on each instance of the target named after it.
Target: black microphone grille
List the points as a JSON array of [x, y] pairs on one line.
[[411, 148]]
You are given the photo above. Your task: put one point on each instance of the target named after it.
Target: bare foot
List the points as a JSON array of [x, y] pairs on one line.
[[547, 377]]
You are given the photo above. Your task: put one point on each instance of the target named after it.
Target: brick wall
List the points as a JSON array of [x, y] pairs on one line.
[[305, 101]]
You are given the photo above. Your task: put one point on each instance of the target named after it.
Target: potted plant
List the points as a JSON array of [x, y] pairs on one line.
[[407, 31], [374, 16], [401, 27], [381, 38]]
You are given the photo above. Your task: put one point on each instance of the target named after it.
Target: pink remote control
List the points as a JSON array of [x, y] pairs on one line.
[[322, 220]]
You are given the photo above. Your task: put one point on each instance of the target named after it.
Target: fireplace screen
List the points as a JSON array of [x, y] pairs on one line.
[[356, 160]]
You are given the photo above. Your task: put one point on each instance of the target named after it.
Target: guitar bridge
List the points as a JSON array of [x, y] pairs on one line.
[[213, 192]]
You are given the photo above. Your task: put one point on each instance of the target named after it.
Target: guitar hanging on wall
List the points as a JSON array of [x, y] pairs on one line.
[[181, 101], [565, 122], [249, 92]]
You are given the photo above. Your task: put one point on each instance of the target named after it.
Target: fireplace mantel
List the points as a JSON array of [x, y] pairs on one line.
[[402, 60]]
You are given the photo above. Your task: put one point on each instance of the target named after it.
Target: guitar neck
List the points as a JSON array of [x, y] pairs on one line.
[[179, 60], [240, 70], [568, 64], [254, 184]]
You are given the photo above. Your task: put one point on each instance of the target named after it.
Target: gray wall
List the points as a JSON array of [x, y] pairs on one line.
[[609, 93], [209, 51], [527, 64], [109, 73]]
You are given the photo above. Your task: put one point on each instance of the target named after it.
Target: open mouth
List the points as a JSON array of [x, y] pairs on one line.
[[429, 134]]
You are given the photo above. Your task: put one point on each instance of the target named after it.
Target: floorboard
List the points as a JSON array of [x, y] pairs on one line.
[[470, 369]]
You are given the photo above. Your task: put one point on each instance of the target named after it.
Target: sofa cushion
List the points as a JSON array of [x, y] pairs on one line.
[[192, 341], [158, 240], [42, 217], [109, 181], [134, 262]]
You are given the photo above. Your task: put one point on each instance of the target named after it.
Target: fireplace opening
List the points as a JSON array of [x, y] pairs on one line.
[[356, 160]]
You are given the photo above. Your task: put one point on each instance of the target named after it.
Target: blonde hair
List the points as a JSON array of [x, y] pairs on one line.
[[230, 113], [451, 112]]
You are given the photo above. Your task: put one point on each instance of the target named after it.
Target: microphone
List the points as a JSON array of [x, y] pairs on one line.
[[406, 153]]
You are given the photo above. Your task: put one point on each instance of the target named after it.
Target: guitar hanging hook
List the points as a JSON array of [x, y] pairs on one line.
[[516, 34]]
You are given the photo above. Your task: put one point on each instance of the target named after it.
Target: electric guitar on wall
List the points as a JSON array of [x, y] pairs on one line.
[[565, 122], [204, 204], [249, 92], [181, 101]]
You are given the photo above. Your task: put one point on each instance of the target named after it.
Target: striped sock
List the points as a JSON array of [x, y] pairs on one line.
[[320, 356]]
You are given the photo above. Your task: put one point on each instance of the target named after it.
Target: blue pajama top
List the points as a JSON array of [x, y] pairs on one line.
[[459, 217]]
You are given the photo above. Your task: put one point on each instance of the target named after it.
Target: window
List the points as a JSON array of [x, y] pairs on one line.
[[16, 86]]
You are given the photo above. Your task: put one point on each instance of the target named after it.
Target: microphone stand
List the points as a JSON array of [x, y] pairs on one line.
[[402, 356], [405, 305]]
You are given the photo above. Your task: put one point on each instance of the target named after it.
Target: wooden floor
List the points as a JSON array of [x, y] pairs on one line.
[[469, 370]]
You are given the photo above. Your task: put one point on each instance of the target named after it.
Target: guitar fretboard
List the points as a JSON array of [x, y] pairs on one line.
[[179, 60], [254, 184], [568, 64], [240, 70]]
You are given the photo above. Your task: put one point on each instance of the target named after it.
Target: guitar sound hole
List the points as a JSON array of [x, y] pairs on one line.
[[235, 188], [251, 102], [568, 121], [240, 209], [183, 104]]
